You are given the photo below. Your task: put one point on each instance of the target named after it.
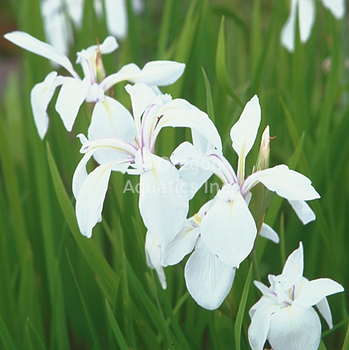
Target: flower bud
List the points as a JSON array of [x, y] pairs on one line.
[[264, 150]]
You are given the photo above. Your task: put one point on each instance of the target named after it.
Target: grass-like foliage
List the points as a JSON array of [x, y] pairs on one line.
[[60, 290]]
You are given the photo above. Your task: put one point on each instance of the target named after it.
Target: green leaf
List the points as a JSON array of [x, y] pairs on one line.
[[322, 345], [105, 275], [210, 110], [241, 310], [91, 326], [33, 338], [346, 340], [221, 68], [164, 29], [116, 329], [6, 337]]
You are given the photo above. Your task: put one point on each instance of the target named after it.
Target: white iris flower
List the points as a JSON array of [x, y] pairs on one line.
[[228, 229], [285, 315], [92, 87], [119, 141]]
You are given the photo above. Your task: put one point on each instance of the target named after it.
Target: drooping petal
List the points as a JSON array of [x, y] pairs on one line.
[[40, 97], [244, 131], [89, 203], [286, 183], [28, 42], [228, 229], [325, 311], [155, 73], [163, 203], [153, 254], [337, 7], [306, 18], [314, 291], [180, 113], [295, 327], [303, 211], [124, 73], [269, 233], [90, 148], [80, 174], [289, 29], [294, 265], [183, 244], [159, 73], [207, 277], [72, 95], [260, 322]]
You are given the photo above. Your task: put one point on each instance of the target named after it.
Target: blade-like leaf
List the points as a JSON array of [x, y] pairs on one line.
[[241, 310], [221, 66]]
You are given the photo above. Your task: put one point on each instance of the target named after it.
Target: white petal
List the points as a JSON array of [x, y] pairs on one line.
[[153, 253], [72, 95], [262, 287], [75, 9], [80, 174], [116, 16], [286, 183], [38, 47], [197, 168], [306, 18], [228, 229], [294, 266], [208, 279], [288, 32], [58, 29], [260, 321], [159, 73], [110, 119], [109, 45], [137, 6], [89, 204], [337, 7], [269, 233], [293, 328], [162, 202], [325, 311], [40, 97], [183, 244], [244, 131], [180, 113], [314, 291], [141, 97], [124, 73], [303, 211]]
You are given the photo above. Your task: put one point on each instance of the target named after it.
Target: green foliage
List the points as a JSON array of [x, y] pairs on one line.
[[60, 290]]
